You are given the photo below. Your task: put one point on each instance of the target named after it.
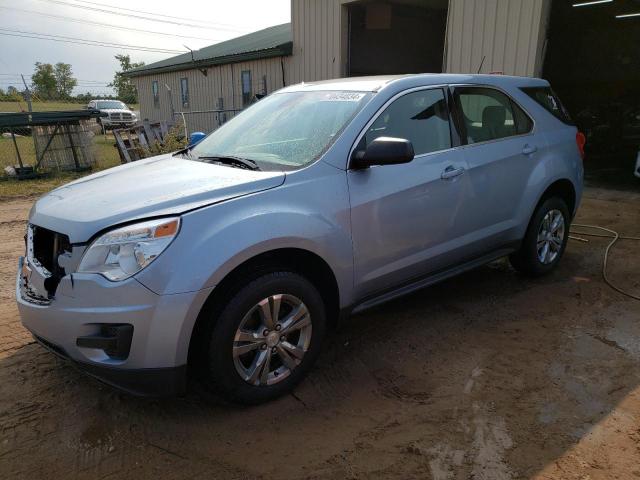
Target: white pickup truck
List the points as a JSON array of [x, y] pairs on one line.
[[118, 114]]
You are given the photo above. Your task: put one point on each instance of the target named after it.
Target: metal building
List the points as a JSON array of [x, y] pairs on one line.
[[208, 86], [337, 37], [333, 38], [587, 49]]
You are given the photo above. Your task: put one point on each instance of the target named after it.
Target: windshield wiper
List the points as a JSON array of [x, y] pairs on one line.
[[237, 162], [185, 152]]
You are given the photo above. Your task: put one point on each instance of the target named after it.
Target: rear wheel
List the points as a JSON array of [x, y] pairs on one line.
[[545, 240], [266, 338]]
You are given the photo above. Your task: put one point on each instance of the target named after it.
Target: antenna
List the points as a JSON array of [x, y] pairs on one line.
[[193, 60], [481, 63], [190, 51]]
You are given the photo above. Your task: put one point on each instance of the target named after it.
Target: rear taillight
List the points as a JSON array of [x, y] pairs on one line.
[[581, 140]]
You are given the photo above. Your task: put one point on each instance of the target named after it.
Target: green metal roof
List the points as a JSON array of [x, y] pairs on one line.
[[31, 119], [274, 41]]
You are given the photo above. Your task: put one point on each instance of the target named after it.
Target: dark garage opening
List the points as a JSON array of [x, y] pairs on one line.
[[404, 36], [593, 62]]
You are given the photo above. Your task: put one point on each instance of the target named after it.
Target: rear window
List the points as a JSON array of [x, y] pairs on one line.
[[547, 98]]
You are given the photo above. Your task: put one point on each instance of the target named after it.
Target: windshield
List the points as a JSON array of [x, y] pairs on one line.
[[284, 131], [111, 104]]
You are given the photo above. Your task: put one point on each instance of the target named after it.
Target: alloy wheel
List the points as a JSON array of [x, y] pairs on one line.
[[272, 339], [550, 236]]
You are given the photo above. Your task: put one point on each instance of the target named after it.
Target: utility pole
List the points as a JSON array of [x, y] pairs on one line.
[[27, 94]]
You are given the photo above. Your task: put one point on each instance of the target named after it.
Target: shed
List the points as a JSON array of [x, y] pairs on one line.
[[206, 87]]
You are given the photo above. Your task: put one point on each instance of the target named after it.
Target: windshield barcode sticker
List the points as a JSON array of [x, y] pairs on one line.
[[343, 97]]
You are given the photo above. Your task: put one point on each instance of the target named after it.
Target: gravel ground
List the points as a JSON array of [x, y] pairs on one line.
[[486, 376]]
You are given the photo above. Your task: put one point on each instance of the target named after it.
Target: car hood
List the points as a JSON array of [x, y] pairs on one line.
[[161, 185]]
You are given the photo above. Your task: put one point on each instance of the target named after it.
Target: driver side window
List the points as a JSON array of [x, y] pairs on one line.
[[422, 117]]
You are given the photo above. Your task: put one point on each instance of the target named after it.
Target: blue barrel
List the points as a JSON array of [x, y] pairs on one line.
[[196, 137]]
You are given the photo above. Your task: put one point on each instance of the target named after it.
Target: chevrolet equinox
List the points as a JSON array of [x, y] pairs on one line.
[[320, 200]]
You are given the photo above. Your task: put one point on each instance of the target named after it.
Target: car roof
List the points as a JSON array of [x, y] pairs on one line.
[[376, 83]]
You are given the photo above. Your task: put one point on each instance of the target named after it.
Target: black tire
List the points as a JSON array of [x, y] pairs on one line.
[[222, 373], [526, 259]]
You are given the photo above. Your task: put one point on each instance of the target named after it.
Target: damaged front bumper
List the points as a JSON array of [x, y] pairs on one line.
[[120, 332]]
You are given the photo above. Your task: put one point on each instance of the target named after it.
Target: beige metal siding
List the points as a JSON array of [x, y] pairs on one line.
[[319, 40], [508, 33], [222, 81]]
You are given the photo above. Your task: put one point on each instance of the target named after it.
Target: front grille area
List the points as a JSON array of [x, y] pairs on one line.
[[33, 297], [126, 116], [47, 245], [115, 116], [44, 247]]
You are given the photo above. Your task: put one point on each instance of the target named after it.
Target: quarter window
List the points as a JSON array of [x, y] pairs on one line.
[[421, 117], [184, 92], [488, 114]]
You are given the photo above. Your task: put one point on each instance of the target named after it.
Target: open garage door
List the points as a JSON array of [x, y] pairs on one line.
[[593, 62], [403, 36]]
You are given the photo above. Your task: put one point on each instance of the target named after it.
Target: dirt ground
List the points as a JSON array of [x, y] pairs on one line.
[[486, 376]]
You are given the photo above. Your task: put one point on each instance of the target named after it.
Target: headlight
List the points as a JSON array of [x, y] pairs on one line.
[[123, 252]]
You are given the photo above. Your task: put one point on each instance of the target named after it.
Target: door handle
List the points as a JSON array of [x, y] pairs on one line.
[[451, 172], [529, 149]]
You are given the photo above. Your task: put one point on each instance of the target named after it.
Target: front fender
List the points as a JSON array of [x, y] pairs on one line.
[[213, 241]]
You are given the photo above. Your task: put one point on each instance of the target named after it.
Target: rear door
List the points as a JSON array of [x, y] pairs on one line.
[[406, 218], [501, 152]]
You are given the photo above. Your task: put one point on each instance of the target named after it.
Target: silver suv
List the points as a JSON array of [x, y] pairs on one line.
[[323, 199]]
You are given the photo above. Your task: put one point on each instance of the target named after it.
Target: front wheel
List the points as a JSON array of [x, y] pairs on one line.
[[545, 240], [266, 338]]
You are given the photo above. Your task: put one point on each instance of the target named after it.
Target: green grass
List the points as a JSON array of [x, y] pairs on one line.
[[105, 153], [48, 106]]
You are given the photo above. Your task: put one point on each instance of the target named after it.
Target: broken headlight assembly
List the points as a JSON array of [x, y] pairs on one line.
[[123, 252]]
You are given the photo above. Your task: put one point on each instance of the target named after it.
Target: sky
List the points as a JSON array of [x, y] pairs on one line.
[[191, 23]]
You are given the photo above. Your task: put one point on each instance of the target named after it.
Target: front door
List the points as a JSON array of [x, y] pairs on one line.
[[406, 218]]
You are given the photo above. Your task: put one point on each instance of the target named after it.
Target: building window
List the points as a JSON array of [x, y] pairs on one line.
[[246, 87], [222, 115], [184, 92], [156, 94]]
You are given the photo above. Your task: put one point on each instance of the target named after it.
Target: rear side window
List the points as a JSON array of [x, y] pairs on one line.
[[547, 98], [421, 117], [488, 114]]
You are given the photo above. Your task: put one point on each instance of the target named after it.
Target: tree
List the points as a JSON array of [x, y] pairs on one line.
[[44, 81], [65, 83], [125, 89]]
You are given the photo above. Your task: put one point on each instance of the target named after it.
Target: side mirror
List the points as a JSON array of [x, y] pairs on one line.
[[384, 151]]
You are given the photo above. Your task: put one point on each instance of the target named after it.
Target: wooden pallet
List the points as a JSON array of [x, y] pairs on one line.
[[131, 142]]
